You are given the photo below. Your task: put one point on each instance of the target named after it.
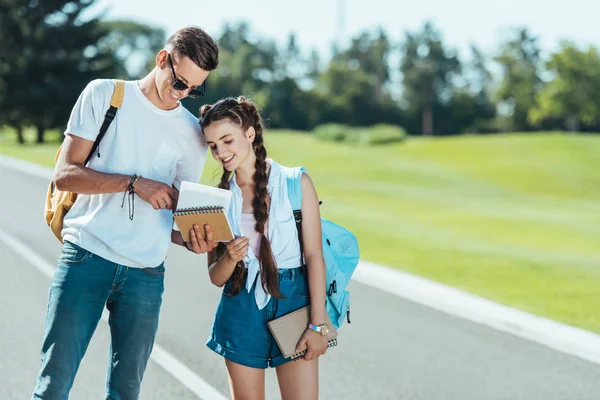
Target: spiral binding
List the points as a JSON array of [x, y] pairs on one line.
[[200, 210], [298, 356]]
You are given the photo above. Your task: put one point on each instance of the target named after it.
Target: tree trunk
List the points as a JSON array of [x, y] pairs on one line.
[[427, 121], [20, 137], [573, 123], [40, 134]]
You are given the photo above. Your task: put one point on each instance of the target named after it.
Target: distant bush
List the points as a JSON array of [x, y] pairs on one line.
[[370, 135], [332, 132], [382, 134]]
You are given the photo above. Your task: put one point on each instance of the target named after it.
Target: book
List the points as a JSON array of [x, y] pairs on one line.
[[202, 204], [288, 329]]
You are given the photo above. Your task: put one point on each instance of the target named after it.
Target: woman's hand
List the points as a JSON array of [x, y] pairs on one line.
[[238, 248], [315, 343]]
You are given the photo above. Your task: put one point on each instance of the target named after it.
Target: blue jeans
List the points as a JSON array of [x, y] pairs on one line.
[[83, 284]]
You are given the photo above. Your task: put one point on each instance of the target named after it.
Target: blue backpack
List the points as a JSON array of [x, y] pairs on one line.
[[340, 251]]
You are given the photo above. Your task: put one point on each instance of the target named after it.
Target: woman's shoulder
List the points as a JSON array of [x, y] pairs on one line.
[[285, 170]]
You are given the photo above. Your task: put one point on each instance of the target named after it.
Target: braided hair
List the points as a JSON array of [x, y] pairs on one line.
[[244, 113]]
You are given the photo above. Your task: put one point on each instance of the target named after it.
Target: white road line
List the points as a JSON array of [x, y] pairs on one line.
[[561, 337], [163, 358], [27, 167], [564, 338]]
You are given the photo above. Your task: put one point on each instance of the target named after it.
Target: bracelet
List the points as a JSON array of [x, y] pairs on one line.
[[129, 192], [137, 178], [132, 181]]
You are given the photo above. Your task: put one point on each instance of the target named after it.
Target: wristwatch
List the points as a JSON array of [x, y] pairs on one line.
[[323, 330]]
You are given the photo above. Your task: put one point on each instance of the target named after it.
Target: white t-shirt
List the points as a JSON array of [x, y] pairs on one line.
[[166, 146]]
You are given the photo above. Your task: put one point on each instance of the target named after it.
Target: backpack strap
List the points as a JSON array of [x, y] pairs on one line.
[[294, 187], [115, 103]]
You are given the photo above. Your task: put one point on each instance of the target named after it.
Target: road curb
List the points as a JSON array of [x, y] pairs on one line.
[[564, 338]]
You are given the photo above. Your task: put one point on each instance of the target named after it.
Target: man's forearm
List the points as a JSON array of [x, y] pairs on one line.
[[79, 179]]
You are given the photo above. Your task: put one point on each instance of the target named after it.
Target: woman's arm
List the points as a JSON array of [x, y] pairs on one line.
[[313, 255], [221, 270], [313, 250]]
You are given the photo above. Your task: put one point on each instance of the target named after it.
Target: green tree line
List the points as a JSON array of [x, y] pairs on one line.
[[50, 51]]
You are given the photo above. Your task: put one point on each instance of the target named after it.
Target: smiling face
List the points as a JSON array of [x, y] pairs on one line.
[[185, 70], [230, 145]]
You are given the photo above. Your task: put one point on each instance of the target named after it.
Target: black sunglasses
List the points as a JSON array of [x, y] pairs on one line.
[[194, 92]]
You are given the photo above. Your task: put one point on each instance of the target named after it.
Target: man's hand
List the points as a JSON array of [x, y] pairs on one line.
[[160, 195], [196, 244]]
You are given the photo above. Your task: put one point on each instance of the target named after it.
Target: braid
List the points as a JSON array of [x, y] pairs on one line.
[[224, 184], [204, 109], [268, 267], [259, 202], [245, 113]]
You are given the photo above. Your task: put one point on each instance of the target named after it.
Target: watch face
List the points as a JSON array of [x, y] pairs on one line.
[[324, 330]]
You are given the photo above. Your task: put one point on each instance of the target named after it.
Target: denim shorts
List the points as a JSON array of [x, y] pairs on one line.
[[240, 331]]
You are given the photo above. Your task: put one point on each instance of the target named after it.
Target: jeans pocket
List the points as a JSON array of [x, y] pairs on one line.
[[72, 254], [301, 288], [228, 288], [155, 271]]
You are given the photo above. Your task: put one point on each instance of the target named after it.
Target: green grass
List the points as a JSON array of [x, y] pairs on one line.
[[514, 218]]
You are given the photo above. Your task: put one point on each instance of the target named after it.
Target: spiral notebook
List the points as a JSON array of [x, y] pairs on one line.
[[288, 329], [202, 204]]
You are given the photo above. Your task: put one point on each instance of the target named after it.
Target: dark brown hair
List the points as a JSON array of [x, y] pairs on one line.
[[245, 113], [197, 45]]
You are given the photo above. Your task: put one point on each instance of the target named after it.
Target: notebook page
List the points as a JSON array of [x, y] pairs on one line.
[[197, 195], [193, 195]]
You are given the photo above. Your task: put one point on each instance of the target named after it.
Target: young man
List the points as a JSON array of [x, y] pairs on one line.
[[117, 234]]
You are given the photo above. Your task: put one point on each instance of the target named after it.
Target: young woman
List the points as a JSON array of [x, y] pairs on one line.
[[261, 270]]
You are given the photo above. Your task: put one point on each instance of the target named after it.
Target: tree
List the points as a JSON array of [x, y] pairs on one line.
[[519, 59], [289, 61], [313, 65], [346, 95], [370, 53], [574, 93], [51, 55], [480, 81], [134, 46], [287, 106], [428, 70], [246, 67], [13, 99]]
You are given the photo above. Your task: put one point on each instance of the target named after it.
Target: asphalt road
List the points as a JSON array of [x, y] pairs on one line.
[[394, 349]]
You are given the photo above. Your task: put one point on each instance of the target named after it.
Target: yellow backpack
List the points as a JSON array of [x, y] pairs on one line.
[[58, 203]]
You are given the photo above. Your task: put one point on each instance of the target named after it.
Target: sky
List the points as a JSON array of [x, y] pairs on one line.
[[317, 22]]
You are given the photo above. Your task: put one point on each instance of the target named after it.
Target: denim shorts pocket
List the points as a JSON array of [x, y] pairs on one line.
[[72, 254], [301, 288], [228, 288], [155, 271]]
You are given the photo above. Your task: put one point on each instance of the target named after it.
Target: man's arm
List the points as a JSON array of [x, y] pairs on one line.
[[71, 175]]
